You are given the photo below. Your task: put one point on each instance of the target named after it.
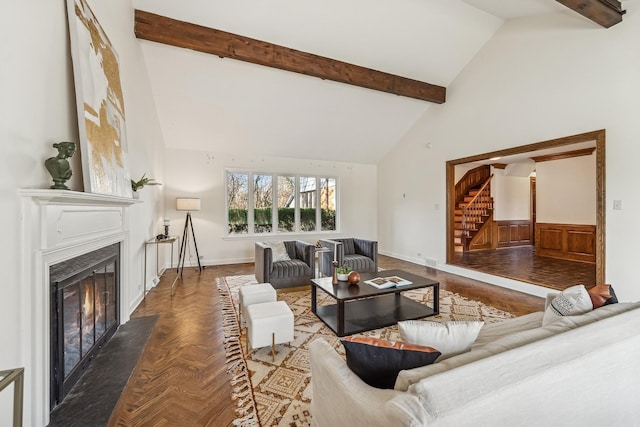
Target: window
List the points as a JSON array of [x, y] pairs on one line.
[[303, 203], [308, 203], [286, 203], [328, 204], [238, 202], [262, 203]]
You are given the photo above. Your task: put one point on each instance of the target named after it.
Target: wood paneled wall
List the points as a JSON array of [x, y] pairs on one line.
[[484, 238], [574, 242], [513, 233]]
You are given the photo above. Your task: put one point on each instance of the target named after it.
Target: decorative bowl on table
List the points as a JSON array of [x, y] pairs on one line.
[[343, 277]]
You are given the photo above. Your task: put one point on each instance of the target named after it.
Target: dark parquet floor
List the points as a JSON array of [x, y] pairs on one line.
[[180, 378], [521, 263]]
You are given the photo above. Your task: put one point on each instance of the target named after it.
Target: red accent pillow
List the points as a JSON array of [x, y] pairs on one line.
[[599, 295]]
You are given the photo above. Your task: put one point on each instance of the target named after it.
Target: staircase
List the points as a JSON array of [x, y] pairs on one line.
[[471, 213]]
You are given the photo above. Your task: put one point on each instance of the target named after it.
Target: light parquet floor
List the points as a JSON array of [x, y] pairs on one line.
[[181, 380]]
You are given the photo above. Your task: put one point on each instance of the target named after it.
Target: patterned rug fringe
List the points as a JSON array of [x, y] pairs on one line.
[[236, 365]]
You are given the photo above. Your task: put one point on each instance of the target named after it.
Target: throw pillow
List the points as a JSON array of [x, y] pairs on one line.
[[450, 338], [278, 251], [377, 362], [599, 295], [571, 301], [613, 299]]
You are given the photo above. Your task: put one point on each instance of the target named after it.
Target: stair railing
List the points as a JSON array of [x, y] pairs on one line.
[[476, 208]]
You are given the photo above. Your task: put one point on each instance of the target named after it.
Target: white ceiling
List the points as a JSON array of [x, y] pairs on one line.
[[223, 105], [508, 9]]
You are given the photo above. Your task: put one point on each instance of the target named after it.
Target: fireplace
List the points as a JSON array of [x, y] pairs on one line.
[[84, 314], [59, 226]]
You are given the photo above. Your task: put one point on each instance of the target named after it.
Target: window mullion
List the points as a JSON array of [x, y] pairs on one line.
[[250, 212], [297, 205], [318, 205], [274, 204]]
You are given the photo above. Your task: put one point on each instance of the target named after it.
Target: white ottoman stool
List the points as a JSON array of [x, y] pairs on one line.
[[269, 323], [254, 294]]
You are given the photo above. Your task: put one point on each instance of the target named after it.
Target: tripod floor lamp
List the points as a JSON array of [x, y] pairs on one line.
[[187, 204]]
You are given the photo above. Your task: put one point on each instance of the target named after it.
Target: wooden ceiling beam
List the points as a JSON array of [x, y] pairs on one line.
[[564, 155], [603, 12], [161, 29]]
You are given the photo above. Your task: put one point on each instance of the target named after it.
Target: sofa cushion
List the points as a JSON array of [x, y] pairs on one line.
[[570, 302], [493, 331], [359, 263], [510, 341], [377, 362], [450, 338]]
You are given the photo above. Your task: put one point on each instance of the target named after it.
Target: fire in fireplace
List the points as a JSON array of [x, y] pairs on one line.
[[84, 314]]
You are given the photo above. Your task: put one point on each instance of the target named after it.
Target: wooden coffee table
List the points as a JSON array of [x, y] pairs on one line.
[[362, 307]]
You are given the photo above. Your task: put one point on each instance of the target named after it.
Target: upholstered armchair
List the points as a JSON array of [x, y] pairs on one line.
[[272, 265], [358, 254]]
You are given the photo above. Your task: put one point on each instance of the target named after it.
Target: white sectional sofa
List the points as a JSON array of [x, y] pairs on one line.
[[578, 371]]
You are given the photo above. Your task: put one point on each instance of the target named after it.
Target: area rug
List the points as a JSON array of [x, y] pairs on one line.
[[278, 393]]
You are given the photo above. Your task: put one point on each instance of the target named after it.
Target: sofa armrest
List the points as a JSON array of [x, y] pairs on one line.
[[263, 263], [367, 248], [340, 397], [307, 253]]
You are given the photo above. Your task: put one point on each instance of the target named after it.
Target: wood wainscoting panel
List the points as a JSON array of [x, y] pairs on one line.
[[513, 233], [483, 239], [574, 242]]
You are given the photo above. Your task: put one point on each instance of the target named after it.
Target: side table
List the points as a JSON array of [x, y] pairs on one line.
[[320, 260], [157, 243]]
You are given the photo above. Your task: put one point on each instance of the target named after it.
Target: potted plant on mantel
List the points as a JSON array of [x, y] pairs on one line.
[[136, 185]]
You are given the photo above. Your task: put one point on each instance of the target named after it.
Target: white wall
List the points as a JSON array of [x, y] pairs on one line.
[[145, 138], [566, 191], [37, 109], [460, 170], [511, 196], [192, 173], [537, 79]]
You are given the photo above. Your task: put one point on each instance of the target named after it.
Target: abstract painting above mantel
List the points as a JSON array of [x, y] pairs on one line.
[[100, 104]]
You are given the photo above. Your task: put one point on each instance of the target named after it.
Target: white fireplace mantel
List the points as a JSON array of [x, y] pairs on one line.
[[58, 225], [67, 197]]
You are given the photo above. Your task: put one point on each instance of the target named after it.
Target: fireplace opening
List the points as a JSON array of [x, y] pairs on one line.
[[84, 314]]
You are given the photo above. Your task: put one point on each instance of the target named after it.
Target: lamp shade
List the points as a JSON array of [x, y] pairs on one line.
[[187, 204]]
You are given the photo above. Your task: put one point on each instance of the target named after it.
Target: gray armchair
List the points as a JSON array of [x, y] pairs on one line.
[[297, 271], [358, 254]]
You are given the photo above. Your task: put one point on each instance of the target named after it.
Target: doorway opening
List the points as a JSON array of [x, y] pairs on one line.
[[595, 139]]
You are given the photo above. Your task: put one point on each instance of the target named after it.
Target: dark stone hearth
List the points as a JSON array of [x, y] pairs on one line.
[[94, 396]]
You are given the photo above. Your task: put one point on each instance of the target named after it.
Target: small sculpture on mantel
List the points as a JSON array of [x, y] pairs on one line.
[[58, 166]]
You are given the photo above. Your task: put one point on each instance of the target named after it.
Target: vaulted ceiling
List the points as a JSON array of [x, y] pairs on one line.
[[215, 104]]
